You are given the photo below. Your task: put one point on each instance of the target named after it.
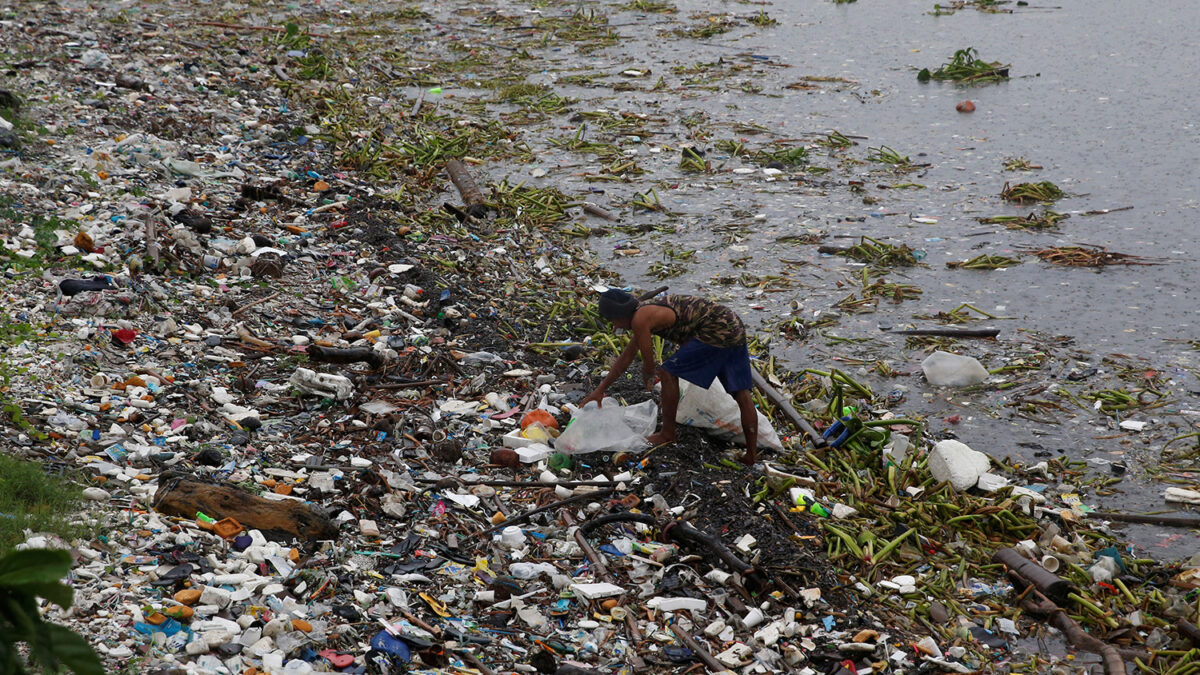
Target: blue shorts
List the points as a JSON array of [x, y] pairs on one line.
[[701, 363]]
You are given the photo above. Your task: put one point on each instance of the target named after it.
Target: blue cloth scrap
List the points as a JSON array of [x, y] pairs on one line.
[[701, 363]]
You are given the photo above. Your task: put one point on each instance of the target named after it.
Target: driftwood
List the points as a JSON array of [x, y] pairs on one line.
[[948, 332], [1188, 630], [588, 207], [598, 566], [278, 520], [1047, 593], [1165, 520], [1049, 584], [587, 496], [351, 355], [1114, 663], [781, 402], [471, 196], [698, 649]]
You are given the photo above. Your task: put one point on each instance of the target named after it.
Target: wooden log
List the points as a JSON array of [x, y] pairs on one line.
[[587, 496], [179, 495], [471, 196], [1164, 519], [947, 332], [1113, 661], [1188, 630], [1049, 584], [635, 634], [591, 208], [781, 402], [350, 355], [700, 650]]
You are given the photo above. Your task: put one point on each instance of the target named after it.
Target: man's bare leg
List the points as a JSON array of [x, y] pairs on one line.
[[670, 404], [749, 425]]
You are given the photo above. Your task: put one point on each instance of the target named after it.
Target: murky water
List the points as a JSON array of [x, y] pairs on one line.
[[1098, 97]]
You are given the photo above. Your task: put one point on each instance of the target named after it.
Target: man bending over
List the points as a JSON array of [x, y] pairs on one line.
[[712, 343]]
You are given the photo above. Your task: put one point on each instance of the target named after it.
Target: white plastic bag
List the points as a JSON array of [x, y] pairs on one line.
[[610, 428], [716, 411]]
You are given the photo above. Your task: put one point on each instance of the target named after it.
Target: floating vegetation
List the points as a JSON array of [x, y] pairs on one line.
[[711, 26], [966, 67], [691, 160], [731, 147], [1022, 193], [666, 269], [583, 25], [1020, 164], [882, 288], [530, 206], [649, 201], [1116, 402], [1085, 255], [960, 314], [811, 82], [985, 6], [786, 156], [885, 155], [762, 19], [805, 239], [1048, 220], [984, 262], [651, 6], [876, 253], [835, 139]]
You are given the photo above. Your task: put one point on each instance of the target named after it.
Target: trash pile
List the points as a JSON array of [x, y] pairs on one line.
[[328, 427]]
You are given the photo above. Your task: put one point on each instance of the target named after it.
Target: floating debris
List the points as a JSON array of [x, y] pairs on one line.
[[1046, 220], [984, 262], [966, 67], [1031, 192], [1085, 255]]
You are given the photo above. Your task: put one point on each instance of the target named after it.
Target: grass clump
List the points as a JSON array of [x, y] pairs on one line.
[[1047, 220], [984, 262], [965, 66], [885, 155], [1023, 193], [784, 156], [877, 254], [651, 6], [32, 500]]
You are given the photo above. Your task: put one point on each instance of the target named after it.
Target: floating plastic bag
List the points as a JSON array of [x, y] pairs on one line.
[[610, 428], [716, 411]]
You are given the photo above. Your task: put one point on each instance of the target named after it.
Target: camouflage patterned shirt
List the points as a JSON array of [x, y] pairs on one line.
[[712, 324]]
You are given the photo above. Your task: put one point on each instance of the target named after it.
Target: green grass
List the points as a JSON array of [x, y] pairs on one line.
[[32, 500]]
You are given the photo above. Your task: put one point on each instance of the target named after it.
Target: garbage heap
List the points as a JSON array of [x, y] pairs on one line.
[[319, 425]]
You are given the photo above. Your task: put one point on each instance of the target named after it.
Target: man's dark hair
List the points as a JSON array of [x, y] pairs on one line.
[[617, 304]]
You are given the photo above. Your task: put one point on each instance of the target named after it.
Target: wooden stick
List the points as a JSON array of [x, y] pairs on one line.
[[591, 208], [701, 652], [471, 196], [237, 26], [152, 237], [1166, 520], [257, 302], [541, 509], [1114, 663], [783, 404], [527, 483], [635, 634], [948, 332]]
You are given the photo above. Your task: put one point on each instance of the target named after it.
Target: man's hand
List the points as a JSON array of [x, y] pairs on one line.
[[648, 378], [597, 395]]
